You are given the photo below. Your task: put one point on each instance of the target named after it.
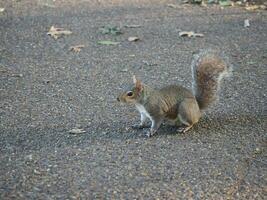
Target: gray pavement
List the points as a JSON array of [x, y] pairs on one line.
[[47, 90]]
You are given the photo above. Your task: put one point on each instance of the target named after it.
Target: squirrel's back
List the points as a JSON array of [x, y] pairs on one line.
[[208, 69]]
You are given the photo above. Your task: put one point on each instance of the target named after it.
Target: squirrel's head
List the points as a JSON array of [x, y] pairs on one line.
[[132, 95]]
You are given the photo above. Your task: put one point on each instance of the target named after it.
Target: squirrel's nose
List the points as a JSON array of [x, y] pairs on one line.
[[118, 99]]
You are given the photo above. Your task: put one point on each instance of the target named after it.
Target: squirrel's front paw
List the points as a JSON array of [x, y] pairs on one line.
[[139, 126], [151, 132]]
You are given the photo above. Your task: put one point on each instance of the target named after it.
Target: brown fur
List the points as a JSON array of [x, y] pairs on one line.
[[208, 72]]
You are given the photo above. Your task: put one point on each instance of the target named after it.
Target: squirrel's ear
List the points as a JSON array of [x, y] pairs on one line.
[[134, 79], [139, 85]]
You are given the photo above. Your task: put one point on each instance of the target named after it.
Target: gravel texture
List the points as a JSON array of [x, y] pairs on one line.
[[47, 90]]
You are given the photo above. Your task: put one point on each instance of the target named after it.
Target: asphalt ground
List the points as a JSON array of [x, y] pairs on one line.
[[47, 90]]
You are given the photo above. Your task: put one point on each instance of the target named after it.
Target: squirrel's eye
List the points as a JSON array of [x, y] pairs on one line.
[[130, 93]]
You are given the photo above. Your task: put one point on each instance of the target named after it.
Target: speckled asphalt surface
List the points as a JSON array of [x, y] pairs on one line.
[[46, 90]]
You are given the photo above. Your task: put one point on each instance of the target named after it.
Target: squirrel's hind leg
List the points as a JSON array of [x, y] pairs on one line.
[[188, 114], [184, 129]]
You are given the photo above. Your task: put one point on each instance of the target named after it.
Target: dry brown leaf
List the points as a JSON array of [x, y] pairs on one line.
[[77, 48], [76, 131], [144, 173], [204, 4], [255, 7], [173, 5], [186, 33], [133, 26], [133, 39], [239, 3], [17, 75], [49, 5], [198, 35], [263, 7], [107, 42], [57, 32], [37, 172], [190, 34], [10, 73], [252, 7]]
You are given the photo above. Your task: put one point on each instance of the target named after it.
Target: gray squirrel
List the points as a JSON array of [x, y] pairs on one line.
[[176, 103]]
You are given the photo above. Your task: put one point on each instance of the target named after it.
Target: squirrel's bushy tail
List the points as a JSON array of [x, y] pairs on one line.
[[208, 69]]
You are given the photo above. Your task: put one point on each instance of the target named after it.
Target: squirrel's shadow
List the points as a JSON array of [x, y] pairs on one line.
[[206, 125]]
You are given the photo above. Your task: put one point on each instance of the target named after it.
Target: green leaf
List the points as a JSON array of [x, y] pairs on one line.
[[104, 31], [212, 1], [197, 1], [113, 30], [225, 3], [107, 42]]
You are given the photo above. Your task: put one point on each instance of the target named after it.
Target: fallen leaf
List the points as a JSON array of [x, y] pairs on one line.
[[124, 70], [186, 33], [252, 7], [57, 32], [29, 157], [246, 23], [133, 26], [185, 1], [10, 73], [198, 35], [113, 30], [225, 3], [190, 34], [239, 3], [2, 10], [76, 131], [211, 1], [76, 48], [149, 64], [107, 42], [257, 150], [197, 1], [204, 4], [144, 174], [17, 75], [251, 62], [133, 39], [37, 172], [255, 7], [173, 5], [192, 1], [3, 70], [47, 5]]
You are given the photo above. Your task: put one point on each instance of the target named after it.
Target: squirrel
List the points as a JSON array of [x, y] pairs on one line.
[[176, 103]]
